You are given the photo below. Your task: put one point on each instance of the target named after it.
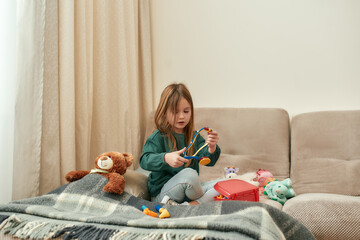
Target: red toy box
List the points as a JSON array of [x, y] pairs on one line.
[[235, 189]]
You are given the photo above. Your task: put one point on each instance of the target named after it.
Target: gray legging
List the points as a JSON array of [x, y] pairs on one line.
[[186, 184]]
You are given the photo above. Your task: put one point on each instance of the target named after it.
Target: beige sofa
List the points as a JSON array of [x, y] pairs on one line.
[[319, 151]]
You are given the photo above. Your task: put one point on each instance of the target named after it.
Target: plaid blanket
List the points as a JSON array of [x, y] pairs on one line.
[[82, 210]]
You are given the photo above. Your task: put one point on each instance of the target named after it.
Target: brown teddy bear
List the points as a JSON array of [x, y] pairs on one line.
[[111, 165]]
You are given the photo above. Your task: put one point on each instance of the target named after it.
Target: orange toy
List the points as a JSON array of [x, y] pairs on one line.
[[148, 212]]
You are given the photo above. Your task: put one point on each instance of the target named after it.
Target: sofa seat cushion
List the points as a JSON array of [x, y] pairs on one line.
[[245, 163], [325, 152], [327, 216], [268, 201]]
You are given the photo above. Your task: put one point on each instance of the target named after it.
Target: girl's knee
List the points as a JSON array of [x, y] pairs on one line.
[[190, 175], [189, 172]]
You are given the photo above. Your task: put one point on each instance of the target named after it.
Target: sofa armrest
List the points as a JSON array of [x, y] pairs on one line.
[[327, 216]]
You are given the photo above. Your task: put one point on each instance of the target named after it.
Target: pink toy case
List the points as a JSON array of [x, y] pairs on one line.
[[235, 189]]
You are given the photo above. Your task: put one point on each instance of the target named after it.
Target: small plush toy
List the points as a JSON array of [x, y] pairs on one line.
[[230, 171], [280, 190], [111, 165], [262, 176]]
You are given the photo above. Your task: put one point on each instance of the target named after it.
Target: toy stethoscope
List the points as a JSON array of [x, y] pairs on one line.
[[202, 160]]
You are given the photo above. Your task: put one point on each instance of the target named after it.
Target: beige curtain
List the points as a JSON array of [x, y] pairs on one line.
[[83, 87]]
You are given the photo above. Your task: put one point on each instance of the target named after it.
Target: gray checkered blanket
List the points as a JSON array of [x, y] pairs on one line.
[[82, 210]]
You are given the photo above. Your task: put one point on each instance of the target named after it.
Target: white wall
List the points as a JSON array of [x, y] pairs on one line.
[[7, 95], [298, 55]]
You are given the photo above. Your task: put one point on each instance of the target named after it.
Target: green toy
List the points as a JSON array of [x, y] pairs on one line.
[[280, 190]]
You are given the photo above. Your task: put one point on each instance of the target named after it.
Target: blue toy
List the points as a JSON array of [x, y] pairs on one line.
[[148, 212], [280, 190], [164, 213], [202, 160]]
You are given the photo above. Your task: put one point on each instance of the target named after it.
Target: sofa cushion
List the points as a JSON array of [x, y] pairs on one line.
[[250, 138], [136, 184], [325, 152], [246, 163], [265, 199], [327, 216]]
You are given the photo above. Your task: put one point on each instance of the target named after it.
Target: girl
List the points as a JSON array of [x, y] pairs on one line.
[[170, 180]]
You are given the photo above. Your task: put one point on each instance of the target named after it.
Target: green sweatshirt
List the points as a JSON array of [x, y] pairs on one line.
[[152, 158]]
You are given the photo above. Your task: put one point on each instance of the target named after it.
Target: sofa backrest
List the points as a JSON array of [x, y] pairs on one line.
[[325, 152], [250, 139]]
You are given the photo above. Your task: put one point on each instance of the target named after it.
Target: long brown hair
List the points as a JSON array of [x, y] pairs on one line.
[[169, 100]]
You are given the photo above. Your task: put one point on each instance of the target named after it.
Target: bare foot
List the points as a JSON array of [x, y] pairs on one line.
[[194, 203]]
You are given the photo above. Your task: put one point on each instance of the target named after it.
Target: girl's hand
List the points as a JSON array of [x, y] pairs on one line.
[[174, 159], [212, 140]]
